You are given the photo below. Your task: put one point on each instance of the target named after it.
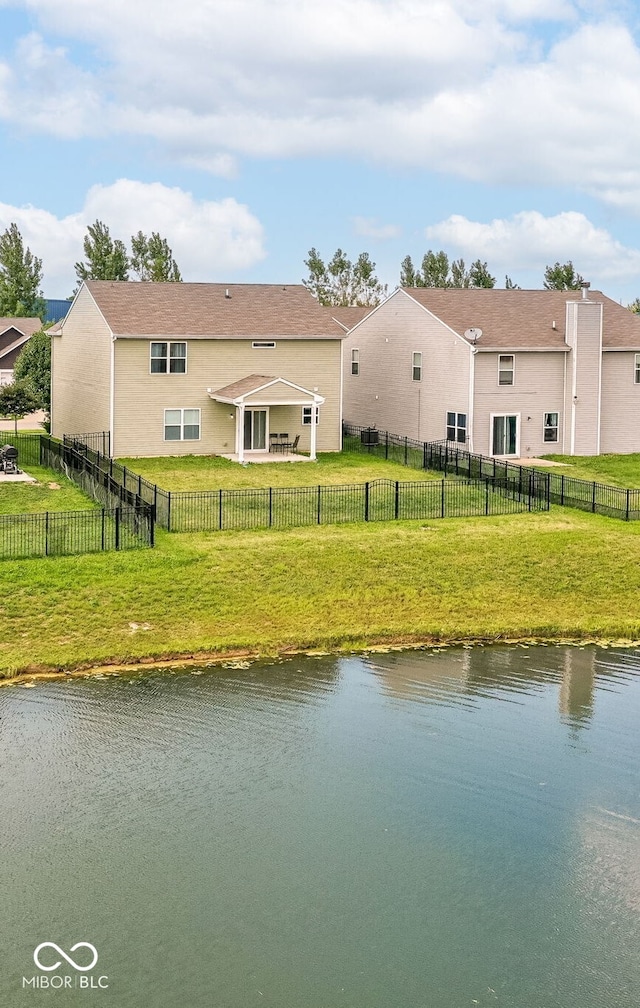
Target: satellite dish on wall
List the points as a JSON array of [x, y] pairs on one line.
[[473, 334]]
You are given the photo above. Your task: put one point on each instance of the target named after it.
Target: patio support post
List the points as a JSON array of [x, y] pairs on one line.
[[314, 420], [240, 433]]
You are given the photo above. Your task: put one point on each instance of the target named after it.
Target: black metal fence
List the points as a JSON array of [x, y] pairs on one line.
[[448, 458], [63, 533], [378, 500], [98, 442], [125, 520], [28, 446]]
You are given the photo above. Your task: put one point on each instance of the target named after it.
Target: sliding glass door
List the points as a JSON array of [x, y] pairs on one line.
[[255, 430], [504, 440]]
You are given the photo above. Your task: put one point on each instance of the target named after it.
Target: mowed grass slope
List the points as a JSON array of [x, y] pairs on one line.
[[210, 472], [550, 575]]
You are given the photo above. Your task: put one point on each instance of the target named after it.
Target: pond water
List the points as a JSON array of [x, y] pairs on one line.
[[407, 829]]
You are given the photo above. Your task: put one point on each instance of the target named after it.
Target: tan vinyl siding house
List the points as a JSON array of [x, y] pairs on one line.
[[507, 372], [151, 363]]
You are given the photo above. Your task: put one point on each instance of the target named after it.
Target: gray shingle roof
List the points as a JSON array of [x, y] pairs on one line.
[[523, 318], [203, 310]]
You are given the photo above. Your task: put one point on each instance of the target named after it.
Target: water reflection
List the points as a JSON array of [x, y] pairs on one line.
[[411, 829], [466, 676]]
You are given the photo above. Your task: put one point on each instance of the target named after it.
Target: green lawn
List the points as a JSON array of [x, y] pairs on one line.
[[551, 575], [52, 492], [210, 472], [613, 470]]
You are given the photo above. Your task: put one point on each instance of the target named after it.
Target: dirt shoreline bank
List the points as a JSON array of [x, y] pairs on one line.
[[239, 657]]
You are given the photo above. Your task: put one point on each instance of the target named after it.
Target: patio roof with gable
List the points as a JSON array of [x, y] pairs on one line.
[[265, 390]]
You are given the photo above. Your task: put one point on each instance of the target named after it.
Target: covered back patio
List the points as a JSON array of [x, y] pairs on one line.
[[258, 400]]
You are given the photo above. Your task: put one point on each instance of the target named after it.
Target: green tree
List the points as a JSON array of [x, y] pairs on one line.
[[152, 259], [634, 306], [562, 277], [342, 282], [510, 285], [479, 275], [33, 366], [437, 271], [17, 401], [407, 273], [106, 259], [20, 277]]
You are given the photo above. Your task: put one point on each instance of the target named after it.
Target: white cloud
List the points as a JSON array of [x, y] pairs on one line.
[[507, 91], [369, 227], [210, 240], [524, 244]]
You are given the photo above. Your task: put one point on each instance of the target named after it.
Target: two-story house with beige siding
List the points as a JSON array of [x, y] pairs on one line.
[[198, 368], [502, 372]]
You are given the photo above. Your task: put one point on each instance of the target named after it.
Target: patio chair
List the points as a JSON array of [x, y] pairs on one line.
[[295, 443], [273, 442]]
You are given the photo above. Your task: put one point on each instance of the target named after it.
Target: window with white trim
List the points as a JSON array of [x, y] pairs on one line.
[[263, 344], [355, 362], [416, 366], [506, 369], [182, 425], [306, 415], [457, 427], [550, 427], [636, 372], [168, 358]]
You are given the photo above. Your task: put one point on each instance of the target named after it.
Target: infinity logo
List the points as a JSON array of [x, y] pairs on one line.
[[81, 969]]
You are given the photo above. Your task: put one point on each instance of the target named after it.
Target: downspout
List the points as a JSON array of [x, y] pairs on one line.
[[112, 397], [472, 374]]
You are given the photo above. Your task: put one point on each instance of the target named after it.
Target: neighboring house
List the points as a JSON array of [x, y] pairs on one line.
[[502, 372], [14, 334], [198, 368]]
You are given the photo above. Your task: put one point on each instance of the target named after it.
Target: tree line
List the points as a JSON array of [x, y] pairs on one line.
[[346, 283]]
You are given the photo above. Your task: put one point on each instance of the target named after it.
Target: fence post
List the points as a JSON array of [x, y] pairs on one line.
[[443, 500], [530, 487], [152, 527], [46, 534], [593, 498], [386, 444], [366, 501], [397, 500], [627, 513], [486, 496], [220, 509], [406, 450], [319, 505], [562, 489], [118, 527], [168, 510], [270, 506], [102, 536], [424, 454]]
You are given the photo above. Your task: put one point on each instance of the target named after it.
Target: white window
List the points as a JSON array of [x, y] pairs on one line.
[[306, 415], [505, 369], [263, 344], [355, 362], [168, 358], [636, 372], [182, 425], [417, 367], [457, 427], [550, 430]]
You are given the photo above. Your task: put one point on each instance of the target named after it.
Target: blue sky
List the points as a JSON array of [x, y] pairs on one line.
[[246, 131]]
